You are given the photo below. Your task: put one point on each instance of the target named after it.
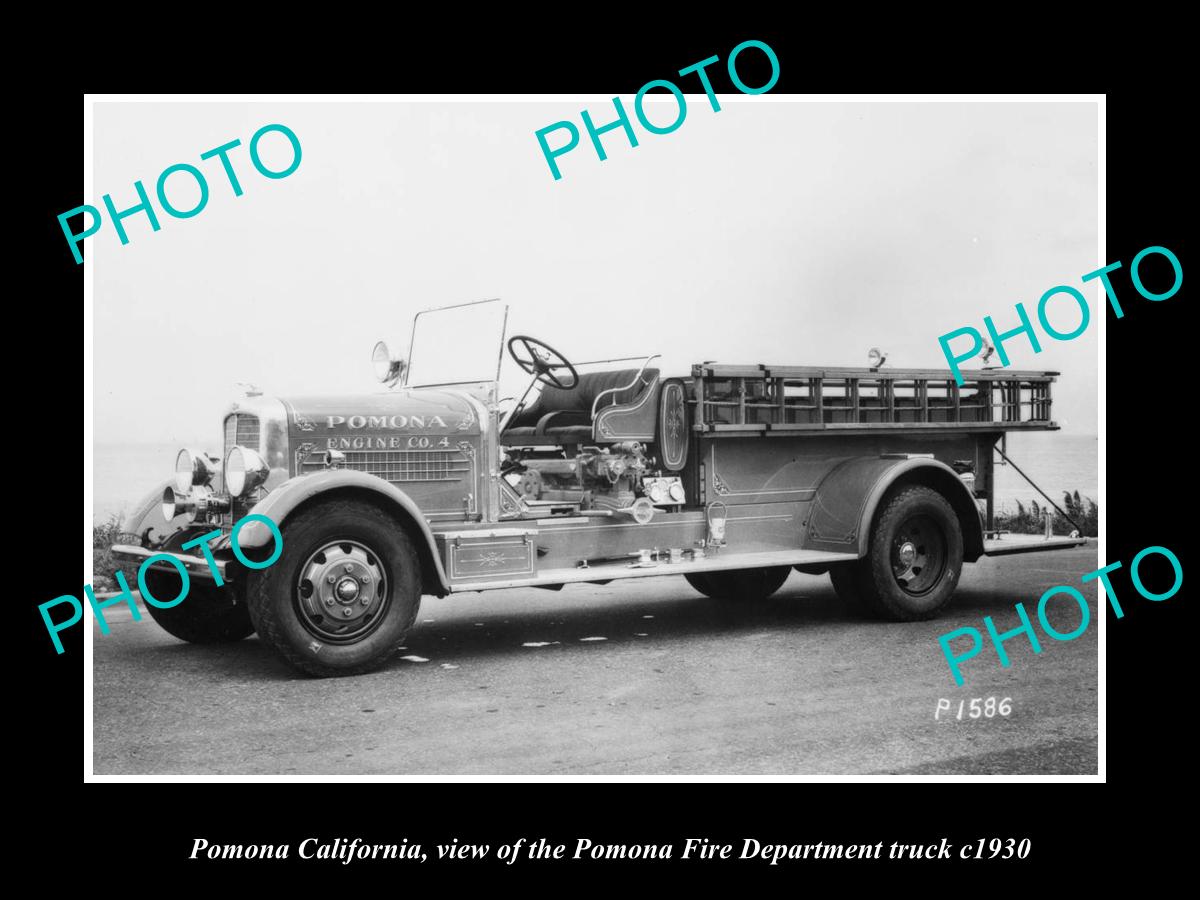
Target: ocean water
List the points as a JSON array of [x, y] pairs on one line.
[[124, 473], [1057, 462]]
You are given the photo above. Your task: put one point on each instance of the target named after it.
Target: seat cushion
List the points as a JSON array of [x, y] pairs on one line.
[[579, 399]]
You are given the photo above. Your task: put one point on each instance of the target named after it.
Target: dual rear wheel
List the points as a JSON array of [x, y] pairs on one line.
[[740, 584], [913, 562]]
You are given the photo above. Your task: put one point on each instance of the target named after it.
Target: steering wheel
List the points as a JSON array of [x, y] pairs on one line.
[[542, 361]]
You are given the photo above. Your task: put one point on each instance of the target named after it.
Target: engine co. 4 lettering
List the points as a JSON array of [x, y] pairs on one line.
[[976, 708], [396, 442]]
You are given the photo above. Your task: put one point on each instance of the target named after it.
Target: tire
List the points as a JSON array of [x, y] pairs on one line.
[[346, 559], [740, 584], [914, 557], [208, 615], [845, 578]]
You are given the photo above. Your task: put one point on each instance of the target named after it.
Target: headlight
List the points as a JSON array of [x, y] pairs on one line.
[[244, 471], [191, 467]]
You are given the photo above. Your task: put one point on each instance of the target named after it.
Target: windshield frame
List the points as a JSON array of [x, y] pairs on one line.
[[412, 341]]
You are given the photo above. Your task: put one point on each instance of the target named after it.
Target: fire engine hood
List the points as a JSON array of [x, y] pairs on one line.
[[399, 419]]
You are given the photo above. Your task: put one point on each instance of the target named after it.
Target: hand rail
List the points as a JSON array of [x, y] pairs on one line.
[[617, 390]]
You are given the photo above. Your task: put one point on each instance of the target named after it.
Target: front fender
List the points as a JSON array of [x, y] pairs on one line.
[[147, 522], [849, 496], [296, 492]]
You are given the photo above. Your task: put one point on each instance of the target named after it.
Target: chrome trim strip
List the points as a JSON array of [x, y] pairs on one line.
[[619, 570]]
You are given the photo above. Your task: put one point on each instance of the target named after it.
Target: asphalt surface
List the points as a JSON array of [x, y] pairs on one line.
[[679, 685]]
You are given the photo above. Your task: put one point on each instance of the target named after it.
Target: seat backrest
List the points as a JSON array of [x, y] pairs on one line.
[[581, 398]]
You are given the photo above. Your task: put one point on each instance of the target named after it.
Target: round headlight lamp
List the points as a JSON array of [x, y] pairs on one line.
[[191, 467], [244, 471]]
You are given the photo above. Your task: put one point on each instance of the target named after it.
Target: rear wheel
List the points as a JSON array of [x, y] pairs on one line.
[[207, 615], [845, 578], [914, 558], [740, 584], [343, 594]]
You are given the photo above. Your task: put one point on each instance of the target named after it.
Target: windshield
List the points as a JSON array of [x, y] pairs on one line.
[[457, 344]]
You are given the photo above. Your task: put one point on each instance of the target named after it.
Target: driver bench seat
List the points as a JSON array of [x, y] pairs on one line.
[[565, 417]]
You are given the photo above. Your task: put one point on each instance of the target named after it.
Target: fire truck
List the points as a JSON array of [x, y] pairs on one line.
[[732, 476]]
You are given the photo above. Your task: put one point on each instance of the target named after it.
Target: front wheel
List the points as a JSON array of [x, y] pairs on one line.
[[207, 615], [740, 584], [344, 592], [914, 559]]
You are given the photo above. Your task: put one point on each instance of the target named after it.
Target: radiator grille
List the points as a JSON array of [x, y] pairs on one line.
[[241, 430], [410, 465]]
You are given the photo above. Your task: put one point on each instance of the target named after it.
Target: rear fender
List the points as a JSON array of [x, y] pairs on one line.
[[848, 498]]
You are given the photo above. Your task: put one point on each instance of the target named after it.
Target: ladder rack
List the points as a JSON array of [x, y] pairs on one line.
[[741, 400]]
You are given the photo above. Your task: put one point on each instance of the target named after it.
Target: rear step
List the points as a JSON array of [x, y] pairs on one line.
[[1029, 543]]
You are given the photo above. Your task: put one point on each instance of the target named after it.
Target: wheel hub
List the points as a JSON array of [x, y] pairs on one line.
[[347, 590], [918, 555], [341, 591]]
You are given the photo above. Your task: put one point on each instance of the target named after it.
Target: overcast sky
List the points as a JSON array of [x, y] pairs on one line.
[[773, 232]]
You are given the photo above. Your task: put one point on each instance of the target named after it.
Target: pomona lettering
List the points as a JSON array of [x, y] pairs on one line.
[[386, 421]]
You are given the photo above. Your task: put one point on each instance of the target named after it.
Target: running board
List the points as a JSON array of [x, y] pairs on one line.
[[613, 571], [1029, 543]]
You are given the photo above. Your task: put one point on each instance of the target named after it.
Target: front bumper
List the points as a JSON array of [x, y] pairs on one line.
[[196, 566]]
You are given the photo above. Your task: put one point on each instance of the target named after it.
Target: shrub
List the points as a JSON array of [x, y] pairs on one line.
[[104, 536], [1032, 520]]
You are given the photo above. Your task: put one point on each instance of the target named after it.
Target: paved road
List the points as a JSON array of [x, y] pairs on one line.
[[680, 685]]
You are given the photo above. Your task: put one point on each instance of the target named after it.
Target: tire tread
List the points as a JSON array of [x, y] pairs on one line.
[[265, 616]]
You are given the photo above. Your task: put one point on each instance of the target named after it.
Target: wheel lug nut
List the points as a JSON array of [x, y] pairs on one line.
[[330, 579], [346, 612], [329, 601], [347, 567], [366, 600], [365, 580]]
